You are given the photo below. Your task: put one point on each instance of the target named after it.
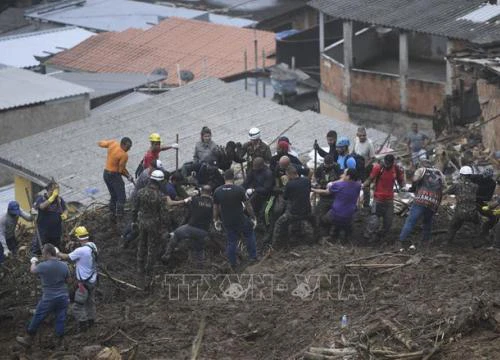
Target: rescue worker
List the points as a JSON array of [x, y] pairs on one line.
[[51, 212], [363, 146], [485, 191], [85, 259], [54, 276], [343, 154], [428, 184], [143, 178], [465, 195], [116, 167], [254, 148], [150, 213], [384, 176], [298, 205], [416, 141], [283, 149], [331, 139], [326, 173], [259, 185], [228, 213], [201, 209], [154, 151], [177, 215], [8, 223], [345, 194]]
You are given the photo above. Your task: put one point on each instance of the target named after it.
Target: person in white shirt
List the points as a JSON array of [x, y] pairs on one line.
[[364, 147], [85, 259]]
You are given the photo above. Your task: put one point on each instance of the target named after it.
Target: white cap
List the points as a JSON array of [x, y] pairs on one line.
[[254, 133], [465, 170], [157, 175]]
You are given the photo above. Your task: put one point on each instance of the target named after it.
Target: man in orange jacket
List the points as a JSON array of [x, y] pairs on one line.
[[116, 167]]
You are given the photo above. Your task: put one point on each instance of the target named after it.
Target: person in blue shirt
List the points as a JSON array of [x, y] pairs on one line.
[[54, 275]]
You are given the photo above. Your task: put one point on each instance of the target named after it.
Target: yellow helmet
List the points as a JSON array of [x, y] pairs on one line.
[[155, 137], [81, 233]]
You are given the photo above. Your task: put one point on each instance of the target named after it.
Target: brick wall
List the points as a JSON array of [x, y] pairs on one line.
[[373, 89], [489, 97], [423, 96], [332, 77]]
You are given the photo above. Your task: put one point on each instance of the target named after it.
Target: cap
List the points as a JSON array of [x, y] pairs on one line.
[[13, 208]]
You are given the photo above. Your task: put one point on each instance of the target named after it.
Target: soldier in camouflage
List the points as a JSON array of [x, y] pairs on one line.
[[150, 212], [465, 211], [255, 148], [327, 172]]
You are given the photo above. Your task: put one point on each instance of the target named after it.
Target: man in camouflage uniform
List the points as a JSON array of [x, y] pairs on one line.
[[465, 211], [150, 212], [327, 172], [254, 148]]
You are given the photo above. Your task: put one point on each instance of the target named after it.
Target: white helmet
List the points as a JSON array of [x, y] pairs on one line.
[[254, 133], [465, 170], [157, 175]]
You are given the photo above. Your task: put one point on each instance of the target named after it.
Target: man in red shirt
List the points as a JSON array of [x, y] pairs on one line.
[[154, 151], [384, 176]]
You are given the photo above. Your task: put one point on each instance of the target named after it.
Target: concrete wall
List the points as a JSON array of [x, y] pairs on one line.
[[489, 96], [424, 96], [28, 120], [430, 47], [374, 89], [366, 47], [332, 77]]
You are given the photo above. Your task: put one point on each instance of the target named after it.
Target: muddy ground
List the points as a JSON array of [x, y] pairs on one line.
[[441, 303]]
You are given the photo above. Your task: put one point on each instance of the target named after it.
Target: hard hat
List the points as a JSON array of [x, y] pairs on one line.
[[351, 163], [254, 133], [13, 208], [81, 233], [465, 170], [343, 141], [157, 175], [155, 137]]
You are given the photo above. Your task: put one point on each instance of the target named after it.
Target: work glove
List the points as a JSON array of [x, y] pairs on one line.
[[6, 252], [54, 195], [187, 200], [218, 225], [34, 260], [174, 146], [64, 216], [254, 223], [249, 192]]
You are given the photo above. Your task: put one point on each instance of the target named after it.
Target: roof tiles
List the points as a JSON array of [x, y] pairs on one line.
[[195, 45]]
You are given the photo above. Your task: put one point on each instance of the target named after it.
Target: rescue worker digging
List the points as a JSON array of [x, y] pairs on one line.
[[8, 223], [85, 259]]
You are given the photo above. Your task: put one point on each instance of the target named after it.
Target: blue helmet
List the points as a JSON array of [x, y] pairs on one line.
[[343, 141], [351, 163], [13, 208]]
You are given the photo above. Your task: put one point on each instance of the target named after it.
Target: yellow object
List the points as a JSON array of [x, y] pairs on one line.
[[64, 216], [22, 184], [52, 197], [495, 212], [155, 137], [81, 232]]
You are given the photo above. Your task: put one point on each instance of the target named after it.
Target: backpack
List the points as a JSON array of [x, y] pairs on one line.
[[140, 169]]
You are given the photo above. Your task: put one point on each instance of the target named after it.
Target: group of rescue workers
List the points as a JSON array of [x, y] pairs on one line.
[[279, 195]]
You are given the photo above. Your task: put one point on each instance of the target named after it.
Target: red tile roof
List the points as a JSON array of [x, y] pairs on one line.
[[173, 41]]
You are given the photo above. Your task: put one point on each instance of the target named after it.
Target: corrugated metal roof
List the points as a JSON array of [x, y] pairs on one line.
[[203, 48], [20, 50], [121, 102], [77, 162], [107, 83], [442, 18], [23, 87], [119, 15]]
